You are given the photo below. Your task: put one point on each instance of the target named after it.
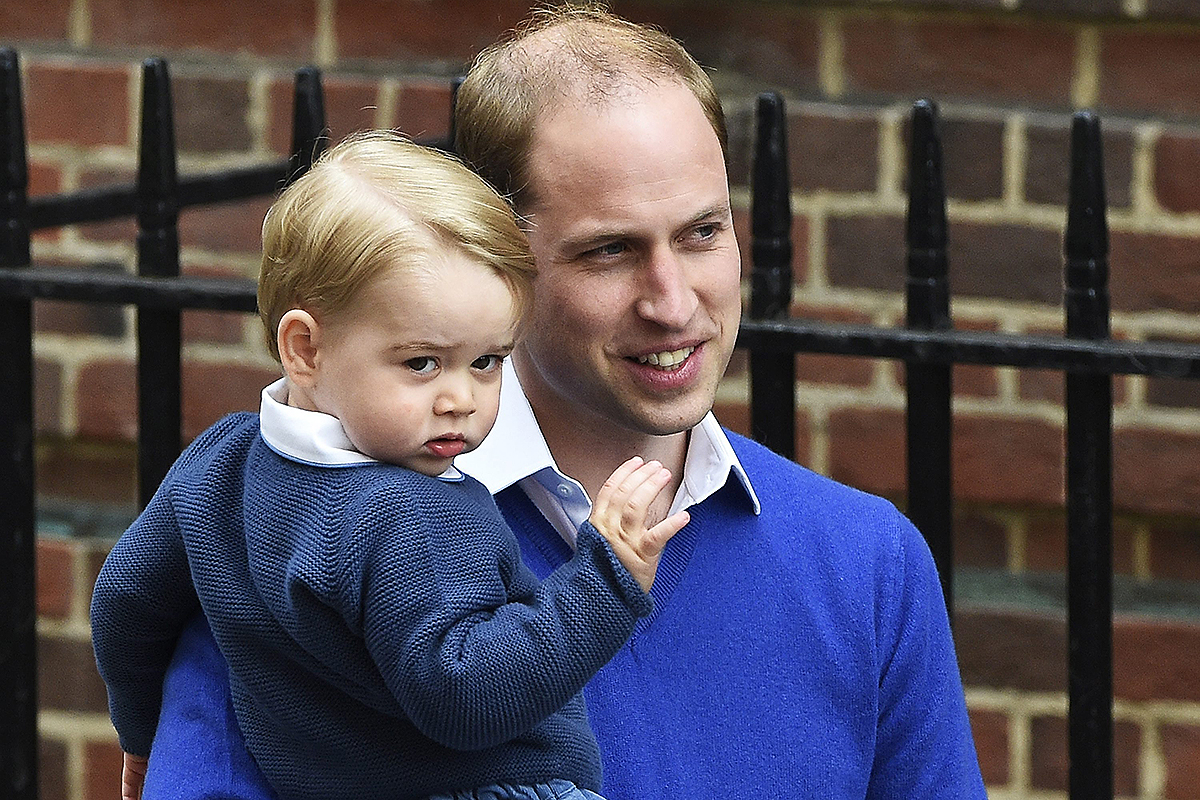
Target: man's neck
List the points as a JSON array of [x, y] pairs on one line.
[[588, 447]]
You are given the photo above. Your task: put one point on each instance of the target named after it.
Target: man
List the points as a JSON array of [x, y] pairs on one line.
[[799, 643]]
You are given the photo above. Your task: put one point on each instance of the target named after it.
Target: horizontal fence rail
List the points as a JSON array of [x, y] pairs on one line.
[[928, 346]]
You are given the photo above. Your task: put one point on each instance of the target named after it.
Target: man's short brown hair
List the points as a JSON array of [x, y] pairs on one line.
[[561, 53]]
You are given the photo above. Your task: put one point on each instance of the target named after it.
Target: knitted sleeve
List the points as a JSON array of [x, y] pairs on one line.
[[924, 746], [142, 599], [474, 651]]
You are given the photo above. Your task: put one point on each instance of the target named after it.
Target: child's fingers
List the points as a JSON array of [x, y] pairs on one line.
[[614, 482], [657, 537], [643, 486]]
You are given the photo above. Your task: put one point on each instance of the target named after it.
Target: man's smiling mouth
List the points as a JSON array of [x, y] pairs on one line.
[[667, 359]]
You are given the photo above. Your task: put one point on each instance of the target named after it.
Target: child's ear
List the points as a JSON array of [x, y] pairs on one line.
[[298, 337]]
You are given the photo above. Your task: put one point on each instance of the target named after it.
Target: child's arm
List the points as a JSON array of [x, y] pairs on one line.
[[471, 647], [619, 514], [142, 599]]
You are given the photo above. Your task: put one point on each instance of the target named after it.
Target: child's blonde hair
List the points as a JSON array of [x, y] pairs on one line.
[[374, 202]]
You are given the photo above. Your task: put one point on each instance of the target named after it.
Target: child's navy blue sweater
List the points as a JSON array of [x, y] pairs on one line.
[[383, 636]]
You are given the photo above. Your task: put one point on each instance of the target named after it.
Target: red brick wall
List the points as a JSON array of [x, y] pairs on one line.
[[1006, 74]]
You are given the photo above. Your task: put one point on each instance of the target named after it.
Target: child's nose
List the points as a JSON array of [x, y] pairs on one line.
[[456, 397]]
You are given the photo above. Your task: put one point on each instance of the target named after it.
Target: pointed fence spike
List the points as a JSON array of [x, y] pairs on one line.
[[310, 136]]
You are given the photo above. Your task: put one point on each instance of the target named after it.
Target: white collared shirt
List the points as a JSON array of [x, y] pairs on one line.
[[516, 452], [311, 437]]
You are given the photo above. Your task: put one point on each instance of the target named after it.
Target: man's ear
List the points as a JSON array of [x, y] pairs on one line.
[[298, 338]]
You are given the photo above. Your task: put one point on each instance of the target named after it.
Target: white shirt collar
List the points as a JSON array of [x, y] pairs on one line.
[[515, 451], [310, 437]]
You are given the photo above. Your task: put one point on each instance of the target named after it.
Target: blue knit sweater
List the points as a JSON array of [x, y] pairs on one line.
[[384, 638], [803, 652]]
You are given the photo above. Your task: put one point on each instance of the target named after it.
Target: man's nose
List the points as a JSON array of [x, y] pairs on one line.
[[456, 395], [667, 296]]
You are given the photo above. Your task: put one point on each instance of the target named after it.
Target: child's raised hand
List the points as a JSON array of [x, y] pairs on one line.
[[133, 776], [619, 513]]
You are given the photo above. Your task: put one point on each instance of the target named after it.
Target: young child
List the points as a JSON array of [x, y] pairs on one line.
[[384, 639]]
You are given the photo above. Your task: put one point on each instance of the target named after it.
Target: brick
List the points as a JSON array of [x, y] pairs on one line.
[[1075, 8], [990, 731], [800, 244], [830, 369], [106, 401], [210, 391], [835, 149], [1156, 659], [1048, 162], [736, 417], [866, 450], [77, 470], [945, 58], [47, 395], [1154, 273], [1181, 755], [80, 319], [102, 770], [350, 105], [973, 158], [67, 677], [1007, 460], [1173, 392], [268, 28], [85, 104], [1007, 649], [774, 46], [1177, 171], [216, 327], [967, 380], [1156, 471], [1175, 550], [55, 578], [865, 252], [739, 155], [120, 229], [1008, 262], [423, 110], [234, 227], [1148, 70], [44, 179], [980, 541], [1049, 764], [52, 770], [1046, 544], [45, 21], [411, 30], [211, 114], [1172, 9]]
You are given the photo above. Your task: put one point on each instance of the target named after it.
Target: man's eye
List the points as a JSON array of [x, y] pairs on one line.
[[706, 231], [487, 363], [421, 364], [608, 250]]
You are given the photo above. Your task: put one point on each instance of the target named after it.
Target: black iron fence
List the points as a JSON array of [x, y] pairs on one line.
[[928, 346]]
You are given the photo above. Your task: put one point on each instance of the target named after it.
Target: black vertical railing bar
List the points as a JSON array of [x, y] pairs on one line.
[[310, 136], [18, 633], [927, 385], [159, 335], [772, 373], [1088, 476]]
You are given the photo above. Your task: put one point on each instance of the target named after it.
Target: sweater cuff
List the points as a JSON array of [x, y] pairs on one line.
[[627, 588]]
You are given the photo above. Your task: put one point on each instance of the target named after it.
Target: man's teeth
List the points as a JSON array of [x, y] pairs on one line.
[[669, 358]]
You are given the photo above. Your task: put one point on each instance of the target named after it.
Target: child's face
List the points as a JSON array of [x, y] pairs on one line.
[[412, 366]]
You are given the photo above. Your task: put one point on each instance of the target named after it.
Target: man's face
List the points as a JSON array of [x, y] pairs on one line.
[[637, 301]]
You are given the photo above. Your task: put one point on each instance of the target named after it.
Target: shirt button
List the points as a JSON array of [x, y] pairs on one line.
[[564, 490]]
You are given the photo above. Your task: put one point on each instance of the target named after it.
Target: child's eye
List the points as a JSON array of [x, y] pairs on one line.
[[421, 364], [487, 363]]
